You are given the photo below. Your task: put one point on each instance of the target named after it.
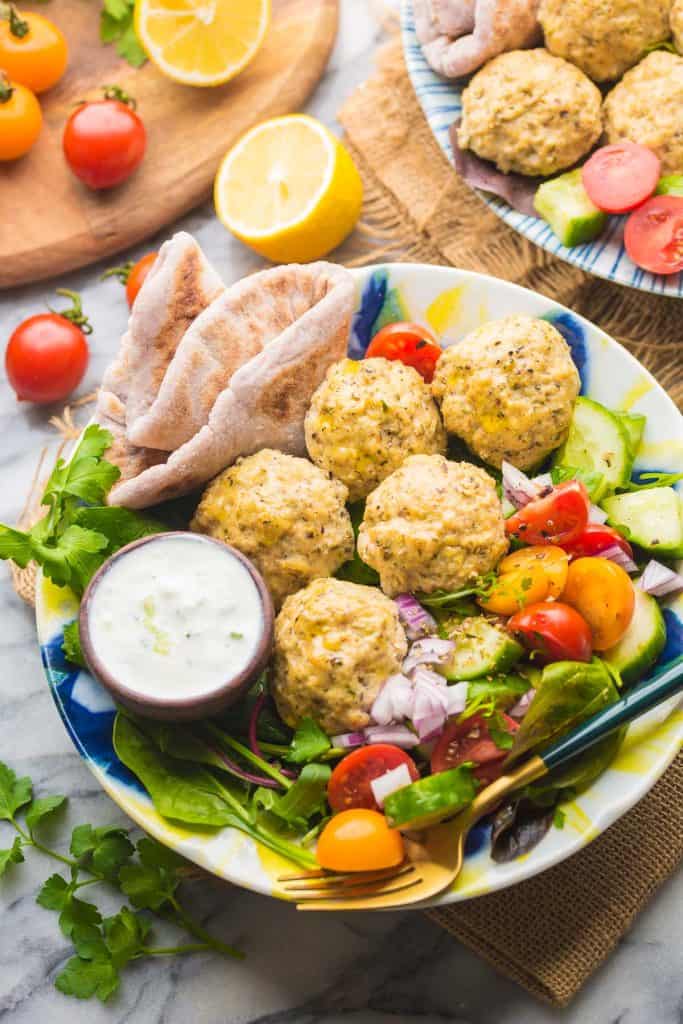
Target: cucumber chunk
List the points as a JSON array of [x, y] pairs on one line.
[[670, 185], [642, 643], [564, 204], [653, 519], [597, 442], [481, 649], [634, 425], [432, 799]]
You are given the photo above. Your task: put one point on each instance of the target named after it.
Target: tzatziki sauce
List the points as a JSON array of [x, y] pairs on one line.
[[176, 617]]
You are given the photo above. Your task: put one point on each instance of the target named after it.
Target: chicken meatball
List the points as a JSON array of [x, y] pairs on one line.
[[508, 390], [336, 644], [603, 37], [432, 525], [676, 22], [366, 417], [530, 112], [284, 513], [646, 106]]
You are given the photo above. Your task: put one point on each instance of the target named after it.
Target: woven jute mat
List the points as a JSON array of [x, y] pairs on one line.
[[550, 933]]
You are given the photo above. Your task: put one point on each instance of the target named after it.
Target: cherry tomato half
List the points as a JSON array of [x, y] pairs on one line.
[[527, 576], [137, 276], [595, 539], [558, 518], [653, 235], [359, 840], [32, 50], [411, 343], [349, 784], [603, 593], [554, 630], [470, 740], [46, 358], [20, 119], [104, 141], [621, 176]]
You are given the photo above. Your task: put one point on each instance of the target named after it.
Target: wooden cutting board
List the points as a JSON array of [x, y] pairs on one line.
[[51, 223]]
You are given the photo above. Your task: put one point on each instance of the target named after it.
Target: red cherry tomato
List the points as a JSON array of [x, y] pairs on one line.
[[104, 140], [595, 539], [137, 276], [412, 344], [349, 784], [554, 630], [470, 740], [558, 518], [653, 235], [46, 358], [620, 177]]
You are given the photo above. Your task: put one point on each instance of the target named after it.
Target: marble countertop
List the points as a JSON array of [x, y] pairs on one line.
[[302, 969]]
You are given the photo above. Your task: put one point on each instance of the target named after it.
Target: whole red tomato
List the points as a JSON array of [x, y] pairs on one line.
[[104, 140], [132, 275], [47, 355]]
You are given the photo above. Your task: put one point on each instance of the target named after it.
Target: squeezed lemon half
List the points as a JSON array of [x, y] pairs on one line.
[[289, 189], [201, 42]]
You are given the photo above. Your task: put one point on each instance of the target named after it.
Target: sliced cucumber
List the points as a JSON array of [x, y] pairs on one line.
[[634, 425], [432, 799], [597, 443], [564, 204], [481, 649], [653, 519], [643, 641]]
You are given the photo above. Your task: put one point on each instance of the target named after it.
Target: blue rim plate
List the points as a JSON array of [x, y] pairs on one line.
[[452, 302], [605, 257]]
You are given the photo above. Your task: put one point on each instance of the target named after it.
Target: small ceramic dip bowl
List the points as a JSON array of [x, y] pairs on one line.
[[177, 625]]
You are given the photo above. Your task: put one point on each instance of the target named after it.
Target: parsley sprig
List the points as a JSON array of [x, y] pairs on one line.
[[117, 26], [147, 873]]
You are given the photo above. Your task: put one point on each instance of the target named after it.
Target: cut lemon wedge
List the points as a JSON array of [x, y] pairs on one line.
[[289, 189], [201, 42]]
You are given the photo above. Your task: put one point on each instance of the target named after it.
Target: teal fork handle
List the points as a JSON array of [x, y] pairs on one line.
[[647, 695]]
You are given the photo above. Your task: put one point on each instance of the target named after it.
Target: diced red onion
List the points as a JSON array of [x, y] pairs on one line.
[[658, 580], [394, 701], [431, 650], [242, 773], [517, 487], [616, 554], [388, 783], [415, 619], [456, 695], [431, 703], [519, 709], [347, 740], [596, 514], [543, 482], [399, 735]]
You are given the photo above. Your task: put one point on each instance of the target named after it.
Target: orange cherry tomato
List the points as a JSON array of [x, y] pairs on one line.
[[557, 518], [137, 276], [603, 593], [32, 50], [412, 344], [20, 119], [526, 577], [359, 840]]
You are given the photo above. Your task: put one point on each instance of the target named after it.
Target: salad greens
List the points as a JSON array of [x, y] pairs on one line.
[[308, 744], [356, 570], [148, 874]]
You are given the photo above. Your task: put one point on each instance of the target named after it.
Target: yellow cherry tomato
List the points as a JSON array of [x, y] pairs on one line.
[[20, 119], [527, 576], [359, 840], [33, 51], [603, 593]]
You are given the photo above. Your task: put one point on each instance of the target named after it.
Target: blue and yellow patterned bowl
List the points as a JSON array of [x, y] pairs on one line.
[[451, 302]]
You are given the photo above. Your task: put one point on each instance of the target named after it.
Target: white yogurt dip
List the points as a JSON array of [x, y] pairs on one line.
[[175, 618]]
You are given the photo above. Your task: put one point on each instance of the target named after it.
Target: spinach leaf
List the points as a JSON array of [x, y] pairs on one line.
[[309, 742], [500, 692], [306, 798], [578, 774], [356, 570]]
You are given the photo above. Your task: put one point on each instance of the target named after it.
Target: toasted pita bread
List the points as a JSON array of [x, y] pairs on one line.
[[266, 399], [180, 285], [232, 330]]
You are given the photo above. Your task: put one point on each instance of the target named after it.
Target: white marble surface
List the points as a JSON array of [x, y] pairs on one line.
[[302, 969]]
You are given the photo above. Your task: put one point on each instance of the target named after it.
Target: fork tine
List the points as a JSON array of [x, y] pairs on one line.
[[343, 876], [325, 885], [344, 896]]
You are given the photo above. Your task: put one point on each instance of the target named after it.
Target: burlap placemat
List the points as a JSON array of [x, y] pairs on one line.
[[550, 933]]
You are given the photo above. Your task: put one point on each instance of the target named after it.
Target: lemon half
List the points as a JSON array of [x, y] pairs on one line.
[[201, 42], [289, 189]]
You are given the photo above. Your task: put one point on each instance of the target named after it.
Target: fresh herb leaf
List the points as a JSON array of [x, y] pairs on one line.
[[356, 570], [309, 742], [120, 526], [447, 598], [11, 856], [53, 893], [14, 792], [77, 913], [498, 733], [117, 26], [496, 692], [559, 818], [306, 798], [41, 808], [106, 848], [71, 645], [125, 935], [15, 545], [86, 978]]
